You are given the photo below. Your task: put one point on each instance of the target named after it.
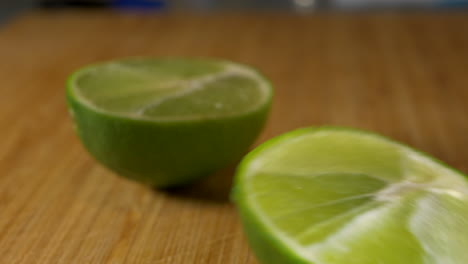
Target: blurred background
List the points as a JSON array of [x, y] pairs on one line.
[[9, 8]]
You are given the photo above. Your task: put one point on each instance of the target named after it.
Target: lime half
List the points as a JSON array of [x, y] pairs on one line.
[[342, 196], [168, 121]]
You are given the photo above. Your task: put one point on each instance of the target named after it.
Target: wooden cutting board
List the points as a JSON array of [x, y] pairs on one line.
[[402, 75]]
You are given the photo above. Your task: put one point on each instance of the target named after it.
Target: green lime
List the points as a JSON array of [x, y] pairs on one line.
[[342, 196], [168, 121]]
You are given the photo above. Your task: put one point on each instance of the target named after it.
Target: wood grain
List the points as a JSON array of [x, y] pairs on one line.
[[402, 75]]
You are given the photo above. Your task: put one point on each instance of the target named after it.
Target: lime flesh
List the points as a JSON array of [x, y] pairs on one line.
[[171, 89], [342, 196], [168, 121]]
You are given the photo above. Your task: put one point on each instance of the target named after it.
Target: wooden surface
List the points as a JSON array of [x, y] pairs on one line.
[[401, 75]]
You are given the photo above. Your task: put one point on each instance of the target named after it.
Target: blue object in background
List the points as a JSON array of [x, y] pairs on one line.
[[123, 4], [139, 4]]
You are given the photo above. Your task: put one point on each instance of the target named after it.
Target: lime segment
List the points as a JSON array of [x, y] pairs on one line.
[[335, 195]]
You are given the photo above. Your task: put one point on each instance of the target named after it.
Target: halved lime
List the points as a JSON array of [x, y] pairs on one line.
[[342, 196], [168, 121]]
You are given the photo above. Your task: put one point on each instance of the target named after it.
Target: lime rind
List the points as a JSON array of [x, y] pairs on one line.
[[420, 174]]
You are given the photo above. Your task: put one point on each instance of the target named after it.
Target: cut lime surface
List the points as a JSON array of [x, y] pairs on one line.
[[343, 196], [168, 121]]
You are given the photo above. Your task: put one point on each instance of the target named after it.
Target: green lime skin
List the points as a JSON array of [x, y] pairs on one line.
[[165, 153]]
